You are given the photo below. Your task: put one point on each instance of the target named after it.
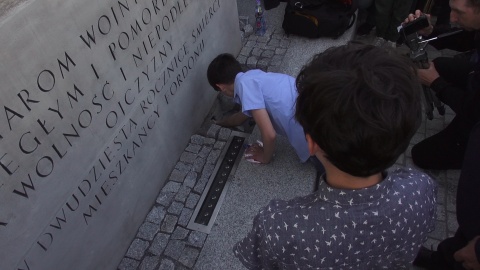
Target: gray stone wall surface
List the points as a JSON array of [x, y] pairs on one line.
[[99, 100]]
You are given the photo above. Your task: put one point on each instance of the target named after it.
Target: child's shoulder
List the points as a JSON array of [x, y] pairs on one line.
[[410, 178]]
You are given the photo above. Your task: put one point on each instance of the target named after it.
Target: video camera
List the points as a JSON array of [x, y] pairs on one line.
[[419, 56], [414, 41]]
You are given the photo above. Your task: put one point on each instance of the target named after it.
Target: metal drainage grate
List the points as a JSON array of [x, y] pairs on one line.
[[209, 204]]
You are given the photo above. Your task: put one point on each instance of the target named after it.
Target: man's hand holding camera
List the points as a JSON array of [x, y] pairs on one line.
[[413, 16], [430, 74]]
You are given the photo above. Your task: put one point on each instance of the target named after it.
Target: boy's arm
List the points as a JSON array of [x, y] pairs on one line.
[[233, 120], [264, 155]]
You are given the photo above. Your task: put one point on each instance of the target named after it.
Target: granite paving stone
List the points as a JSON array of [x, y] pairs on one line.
[[128, 264], [169, 223], [174, 249], [191, 179], [280, 51], [440, 230], [137, 249], [252, 62], [452, 224], [209, 141], [441, 195], [257, 52], [183, 194], [440, 213], [197, 239], [156, 215], [244, 52], [171, 187], [193, 148], [167, 265], [189, 257], [205, 151], [268, 54], [261, 45], [180, 233], [224, 134], [263, 64], [175, 208], [213, 131], [197, 139], [165, 198], [213, 156], [242, 59], [192, 200], [269, 47], [184, 167], [202, 182], [198, 164], [159, 244], [219, 145], [177, 175], [277, 58], [208, 170], [274, 42], [149, 263], [185, 217], [147, 231], [188, 157], [250, 43]]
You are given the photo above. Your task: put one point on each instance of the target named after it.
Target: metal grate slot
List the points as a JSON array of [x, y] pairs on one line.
[[212, 197]]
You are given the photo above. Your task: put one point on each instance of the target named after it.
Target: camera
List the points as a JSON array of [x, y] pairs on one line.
[[415, 25], [418, 55], [409, 34]]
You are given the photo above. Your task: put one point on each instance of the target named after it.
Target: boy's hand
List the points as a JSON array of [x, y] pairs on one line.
[[254, 153]]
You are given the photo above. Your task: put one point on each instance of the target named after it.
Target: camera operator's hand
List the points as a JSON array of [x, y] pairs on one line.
[[428, 75], [425, 31]]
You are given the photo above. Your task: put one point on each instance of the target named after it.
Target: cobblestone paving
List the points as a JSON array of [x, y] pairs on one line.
[[264, 52], [163, 241]]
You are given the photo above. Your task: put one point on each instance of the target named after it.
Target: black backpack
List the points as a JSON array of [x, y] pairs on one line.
[[319, 18]]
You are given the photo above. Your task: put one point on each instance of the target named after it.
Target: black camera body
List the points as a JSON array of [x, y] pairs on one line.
[[413, 40], [415, 25]]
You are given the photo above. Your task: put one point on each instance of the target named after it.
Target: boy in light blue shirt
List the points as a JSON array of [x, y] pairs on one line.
[[267, 97]]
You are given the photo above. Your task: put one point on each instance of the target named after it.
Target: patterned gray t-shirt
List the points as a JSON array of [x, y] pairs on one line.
[[380, 227]]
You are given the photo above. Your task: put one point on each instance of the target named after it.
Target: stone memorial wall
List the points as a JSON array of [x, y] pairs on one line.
[[98, 100]]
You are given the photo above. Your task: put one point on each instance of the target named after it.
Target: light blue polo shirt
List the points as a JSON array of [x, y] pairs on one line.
[[277, 94]]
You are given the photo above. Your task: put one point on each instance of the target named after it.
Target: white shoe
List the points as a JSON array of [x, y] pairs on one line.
[[378, 42]]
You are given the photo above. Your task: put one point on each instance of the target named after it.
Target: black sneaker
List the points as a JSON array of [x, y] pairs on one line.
[[364, 29], [424, 258]]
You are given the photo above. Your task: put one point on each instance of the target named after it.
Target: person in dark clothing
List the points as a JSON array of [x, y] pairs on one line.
[[462, 251], [369, 23], [388, 16], [456, 82]]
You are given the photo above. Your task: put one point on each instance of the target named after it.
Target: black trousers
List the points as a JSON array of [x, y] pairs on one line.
[[446, 149], [468, 207]]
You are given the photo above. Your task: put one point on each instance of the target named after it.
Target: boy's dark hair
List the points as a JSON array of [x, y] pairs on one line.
[[361, 104], [223, 69]]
